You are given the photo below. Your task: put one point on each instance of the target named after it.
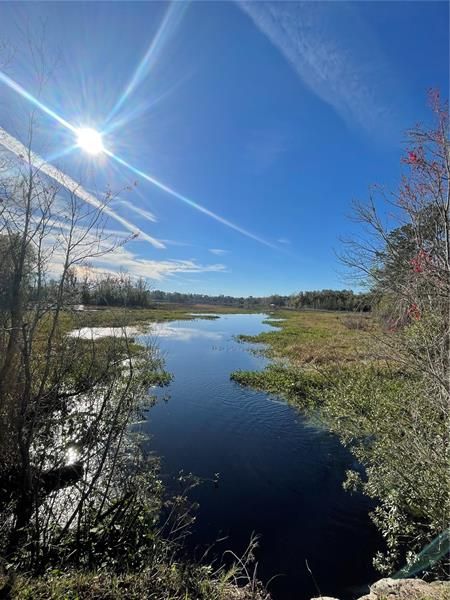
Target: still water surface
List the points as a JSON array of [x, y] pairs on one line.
[[280, 476]]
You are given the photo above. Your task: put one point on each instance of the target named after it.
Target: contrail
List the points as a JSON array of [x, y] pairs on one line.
[[21, 151], [146, 214], [186, 200]]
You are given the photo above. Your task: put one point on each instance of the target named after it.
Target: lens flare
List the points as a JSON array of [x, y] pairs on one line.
[[13, 145], [90, 141], [167, 28], [13, 85], [189, 202]]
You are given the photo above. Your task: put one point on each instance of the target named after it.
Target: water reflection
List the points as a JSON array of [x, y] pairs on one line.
[[159, 330], [184, 334], [280, 475], [96, 333]]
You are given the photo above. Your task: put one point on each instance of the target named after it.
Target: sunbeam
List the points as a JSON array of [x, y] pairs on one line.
[[127, 117], [23, 92], [169, 23], [61, 153], [188, 201]]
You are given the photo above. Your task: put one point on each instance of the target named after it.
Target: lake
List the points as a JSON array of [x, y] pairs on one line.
[[280, 475]]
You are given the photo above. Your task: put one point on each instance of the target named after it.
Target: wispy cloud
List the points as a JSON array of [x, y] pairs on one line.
[[16, 147], [218, 251], [146, 214], [332, 51], [283, 241], [151, 269], [176, 243]]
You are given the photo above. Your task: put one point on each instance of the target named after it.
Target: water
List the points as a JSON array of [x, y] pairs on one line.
[[280, 476]]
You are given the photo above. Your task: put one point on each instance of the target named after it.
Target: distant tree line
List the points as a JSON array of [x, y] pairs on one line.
[[122, 290], [327, 300], [319, 300]]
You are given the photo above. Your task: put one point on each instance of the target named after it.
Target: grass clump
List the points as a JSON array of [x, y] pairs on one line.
[[166, 576], [300, 387]]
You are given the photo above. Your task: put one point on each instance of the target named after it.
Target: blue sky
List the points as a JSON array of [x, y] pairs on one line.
[[273, 116]]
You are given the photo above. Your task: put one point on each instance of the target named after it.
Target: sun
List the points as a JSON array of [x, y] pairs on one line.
[[90, 141]]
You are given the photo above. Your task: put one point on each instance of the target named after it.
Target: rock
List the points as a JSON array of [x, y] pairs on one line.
[[404, 589], [408, 589]]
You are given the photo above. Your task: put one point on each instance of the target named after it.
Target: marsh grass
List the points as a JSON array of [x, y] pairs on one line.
[[316, 338]]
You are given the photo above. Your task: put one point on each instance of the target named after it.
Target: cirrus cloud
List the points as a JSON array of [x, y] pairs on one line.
[[218, 251], [334, 53]]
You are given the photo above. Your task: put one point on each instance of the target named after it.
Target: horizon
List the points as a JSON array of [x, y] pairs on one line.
[[292, 294], [249, 128]]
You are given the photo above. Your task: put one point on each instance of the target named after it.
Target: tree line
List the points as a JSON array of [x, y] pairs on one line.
[[123, 290]]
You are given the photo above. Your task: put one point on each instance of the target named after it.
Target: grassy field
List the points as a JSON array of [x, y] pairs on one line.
[[317, 337]]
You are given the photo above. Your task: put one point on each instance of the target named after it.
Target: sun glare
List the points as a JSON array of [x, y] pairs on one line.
[[90, 141]]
